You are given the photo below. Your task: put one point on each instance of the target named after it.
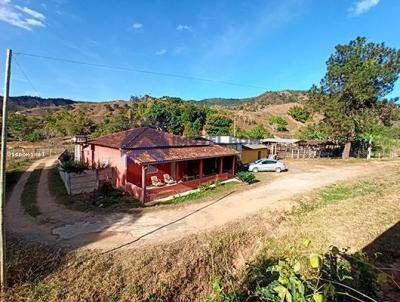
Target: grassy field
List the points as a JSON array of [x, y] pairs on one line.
[[362, 215], [29, 193]]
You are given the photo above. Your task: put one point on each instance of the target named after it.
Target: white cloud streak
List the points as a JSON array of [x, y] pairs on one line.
[[22, 17], [362, 6], [182, 27], [161, 52], [137, 26]]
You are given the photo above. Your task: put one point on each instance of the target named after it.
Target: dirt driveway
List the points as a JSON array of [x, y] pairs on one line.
[[275, 192]]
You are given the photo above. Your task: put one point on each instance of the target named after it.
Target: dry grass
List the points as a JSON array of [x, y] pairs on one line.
[[183, 270]]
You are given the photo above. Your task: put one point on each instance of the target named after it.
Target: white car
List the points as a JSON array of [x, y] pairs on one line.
[[267, 165]]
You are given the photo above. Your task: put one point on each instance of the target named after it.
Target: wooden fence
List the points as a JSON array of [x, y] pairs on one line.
[[87, 181], [35, 153]]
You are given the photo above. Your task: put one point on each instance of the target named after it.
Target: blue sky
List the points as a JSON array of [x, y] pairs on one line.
[[280, 44]]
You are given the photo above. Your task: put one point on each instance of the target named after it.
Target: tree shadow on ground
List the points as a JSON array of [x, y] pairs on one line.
[[384, 251]]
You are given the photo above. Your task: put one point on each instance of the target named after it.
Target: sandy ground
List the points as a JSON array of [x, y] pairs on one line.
[[108, 231]]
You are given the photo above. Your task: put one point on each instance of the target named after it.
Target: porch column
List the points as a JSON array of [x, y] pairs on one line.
[[201, 169], [233, 164], [143, 197], [221, 166]]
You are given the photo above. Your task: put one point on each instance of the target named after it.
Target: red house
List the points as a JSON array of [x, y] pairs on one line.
[[137, 155]]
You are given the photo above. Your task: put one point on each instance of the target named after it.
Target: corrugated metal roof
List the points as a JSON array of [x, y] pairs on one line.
[[231, 140], [281, 140], [255, 146]]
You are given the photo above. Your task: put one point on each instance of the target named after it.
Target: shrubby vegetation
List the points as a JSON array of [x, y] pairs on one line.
[[219, 124], [334, 276], [246, 176], [255, 132], [299, 114], [278, 122]]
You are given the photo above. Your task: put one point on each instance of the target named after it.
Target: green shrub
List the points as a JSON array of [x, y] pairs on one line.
[[72, 166], [246, 177], [204, 187], [334, 276], [299, 114], [278, 122]]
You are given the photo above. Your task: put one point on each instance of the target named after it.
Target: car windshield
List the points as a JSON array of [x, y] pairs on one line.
[[258, 161]]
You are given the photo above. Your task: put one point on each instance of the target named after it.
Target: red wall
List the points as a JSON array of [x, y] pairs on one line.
[[134, 174]]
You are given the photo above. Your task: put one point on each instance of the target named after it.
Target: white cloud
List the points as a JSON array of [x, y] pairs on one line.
[[22, 17], [362, 6], [31, 12], [161, 52], [137, 26], [182, 27]]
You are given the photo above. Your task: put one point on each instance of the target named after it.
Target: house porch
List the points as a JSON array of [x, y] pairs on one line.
[[188, 175]]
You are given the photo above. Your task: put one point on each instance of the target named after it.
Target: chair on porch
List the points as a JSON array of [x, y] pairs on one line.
[[168, 179], [156, 182]]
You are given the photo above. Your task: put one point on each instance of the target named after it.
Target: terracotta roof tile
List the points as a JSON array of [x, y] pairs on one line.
[[143, 138], [158, 155]]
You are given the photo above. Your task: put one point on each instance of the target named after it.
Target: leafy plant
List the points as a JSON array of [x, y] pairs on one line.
[[248, 177], [71, 166], [332, 277], [219, 124], [256, 132], [299, 113], [278, 122], [204, 187]]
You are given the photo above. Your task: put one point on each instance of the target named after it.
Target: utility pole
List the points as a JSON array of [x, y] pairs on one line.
[[3, 270]]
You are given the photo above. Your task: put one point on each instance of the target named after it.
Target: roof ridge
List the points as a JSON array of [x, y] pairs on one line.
[[135, 137]]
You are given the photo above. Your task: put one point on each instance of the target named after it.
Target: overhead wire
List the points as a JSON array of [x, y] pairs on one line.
[[145, 71], [26, 76]]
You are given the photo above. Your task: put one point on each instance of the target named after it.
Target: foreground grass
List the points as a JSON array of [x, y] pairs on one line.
[[14, 171], [29, 193], [353, 214]]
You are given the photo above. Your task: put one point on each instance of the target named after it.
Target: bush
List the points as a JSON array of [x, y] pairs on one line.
[[299, 114], [246, 177], [72, 166], [204, 187], [335, 276], [278, 122]]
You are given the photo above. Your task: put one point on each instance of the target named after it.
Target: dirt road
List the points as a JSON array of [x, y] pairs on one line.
[[78, 229]]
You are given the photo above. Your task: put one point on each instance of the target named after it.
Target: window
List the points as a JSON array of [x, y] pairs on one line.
[[268, 162], [152, 169]]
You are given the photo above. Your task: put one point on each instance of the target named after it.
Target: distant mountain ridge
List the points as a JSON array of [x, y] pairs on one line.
[[19, 103], [22, 103], [264, 99]]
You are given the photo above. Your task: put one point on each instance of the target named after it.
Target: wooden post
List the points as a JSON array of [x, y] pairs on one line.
[[201, 168], [233, 165], [3, 267], [143, 197], [221, 165]]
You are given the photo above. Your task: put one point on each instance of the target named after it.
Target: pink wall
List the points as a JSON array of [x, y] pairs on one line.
[[104, 155]]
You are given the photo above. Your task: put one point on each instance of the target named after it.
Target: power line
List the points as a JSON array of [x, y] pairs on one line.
[[26, 76], [120, 68]]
